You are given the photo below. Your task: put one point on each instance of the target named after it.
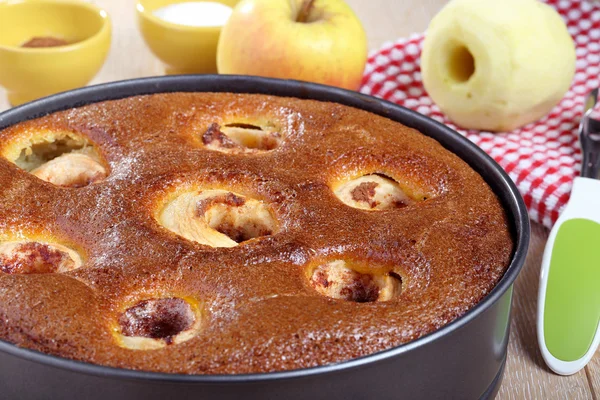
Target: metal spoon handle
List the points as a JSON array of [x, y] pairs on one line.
[[589, 136]]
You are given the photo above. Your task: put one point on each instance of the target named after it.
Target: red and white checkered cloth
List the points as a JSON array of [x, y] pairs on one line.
[[542, 158]]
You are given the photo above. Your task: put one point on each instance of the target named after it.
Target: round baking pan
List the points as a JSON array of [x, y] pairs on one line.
[[463, 360]]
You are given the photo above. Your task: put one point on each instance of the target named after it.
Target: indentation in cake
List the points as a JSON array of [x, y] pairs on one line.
[[339, 279], [241, 137], [158, 322], [31, 257], [218, 218], [59, 157], [373, 192], [157, 318]]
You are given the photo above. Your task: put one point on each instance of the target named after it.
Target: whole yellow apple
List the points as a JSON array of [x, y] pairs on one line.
[[311, 40]]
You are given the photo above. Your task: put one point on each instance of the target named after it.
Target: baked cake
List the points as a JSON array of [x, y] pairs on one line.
[[213, 233]]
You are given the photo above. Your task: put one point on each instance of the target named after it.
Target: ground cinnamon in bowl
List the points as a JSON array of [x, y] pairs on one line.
[[44, 41]]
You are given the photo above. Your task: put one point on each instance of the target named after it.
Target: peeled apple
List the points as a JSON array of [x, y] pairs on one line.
[[497, 64]]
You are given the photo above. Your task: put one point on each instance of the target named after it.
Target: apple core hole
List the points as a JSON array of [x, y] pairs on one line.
[[242, 137], [217, 217], [340, 280], [238, 218], [61, 158], [40, 153], [157, 319], [372, 192], [461, 64], [243, 126], [30, 257]]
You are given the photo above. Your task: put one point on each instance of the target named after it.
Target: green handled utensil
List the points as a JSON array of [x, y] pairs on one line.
[[569, 295]]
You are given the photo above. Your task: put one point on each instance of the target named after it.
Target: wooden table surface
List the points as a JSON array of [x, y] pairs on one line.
[[526, 375]]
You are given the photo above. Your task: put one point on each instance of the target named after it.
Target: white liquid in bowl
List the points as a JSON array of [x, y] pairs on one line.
[[195, 13]]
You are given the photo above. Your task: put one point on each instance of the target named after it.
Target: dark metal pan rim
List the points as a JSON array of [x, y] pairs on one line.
[[478, 160]]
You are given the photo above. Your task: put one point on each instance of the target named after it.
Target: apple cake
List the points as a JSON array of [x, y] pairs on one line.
[[215, 233]]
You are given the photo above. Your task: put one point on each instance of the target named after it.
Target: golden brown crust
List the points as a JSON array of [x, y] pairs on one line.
[[259, 311]]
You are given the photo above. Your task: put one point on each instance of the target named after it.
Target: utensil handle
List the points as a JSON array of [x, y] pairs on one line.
[[590, 143], [569, 294]]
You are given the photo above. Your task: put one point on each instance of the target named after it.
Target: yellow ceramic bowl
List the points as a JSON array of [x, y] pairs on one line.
[[184, 49], [29, 73]]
